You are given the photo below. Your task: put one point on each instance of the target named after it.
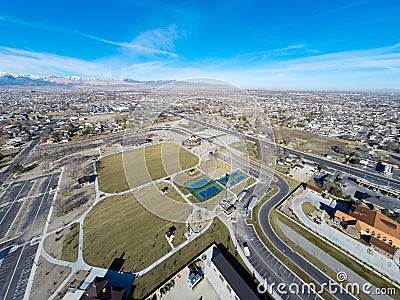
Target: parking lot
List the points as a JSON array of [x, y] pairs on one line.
[[9, 218], [14, 277], [17, 190], [38, 207], [34, 193], [23, 206], [368, 194]]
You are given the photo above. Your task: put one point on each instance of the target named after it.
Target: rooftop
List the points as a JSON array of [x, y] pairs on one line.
[[242, 290]]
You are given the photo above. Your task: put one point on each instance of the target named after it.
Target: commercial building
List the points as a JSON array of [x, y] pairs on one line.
[[234, 283], [384, 232]]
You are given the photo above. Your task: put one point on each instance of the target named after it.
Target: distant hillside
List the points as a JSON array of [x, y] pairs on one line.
[[22, 80], [10, 79]]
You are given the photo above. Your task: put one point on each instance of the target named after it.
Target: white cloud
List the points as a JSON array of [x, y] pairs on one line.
[[364, 69], [383, 58], [158, 41], [37, 63]]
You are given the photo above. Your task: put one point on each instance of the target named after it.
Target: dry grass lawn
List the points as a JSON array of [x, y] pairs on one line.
[[215, 167], [121, 171], [120, 224], [70, 245], [172, 193], [47, 279], [306, 141], [307, 208], [63, 244]]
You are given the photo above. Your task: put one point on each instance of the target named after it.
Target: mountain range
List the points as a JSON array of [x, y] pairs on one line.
[[12, 79]]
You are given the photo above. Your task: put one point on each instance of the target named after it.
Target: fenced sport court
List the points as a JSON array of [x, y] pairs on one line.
[[234, 178], [204, 188]]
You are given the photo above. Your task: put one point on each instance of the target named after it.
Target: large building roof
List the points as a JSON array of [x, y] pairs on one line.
[[101, 289], [313, 188], [242, 290], [363, 214], [343, 216], [376, 220], [382, 245]]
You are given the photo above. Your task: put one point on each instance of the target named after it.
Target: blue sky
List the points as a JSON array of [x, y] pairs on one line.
[[322, 45]]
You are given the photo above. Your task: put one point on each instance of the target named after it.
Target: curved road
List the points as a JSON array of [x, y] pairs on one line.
[[261, 258]]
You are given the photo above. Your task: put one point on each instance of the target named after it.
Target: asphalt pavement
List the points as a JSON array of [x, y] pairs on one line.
[[367, 174], [7, 173], [19, 252], [266, 264]]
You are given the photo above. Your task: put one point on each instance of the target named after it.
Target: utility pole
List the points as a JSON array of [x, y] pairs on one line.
[[226, 186]]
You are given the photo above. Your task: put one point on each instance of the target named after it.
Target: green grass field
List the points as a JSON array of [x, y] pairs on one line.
[[307, 208], [121, 171], [120, 224]]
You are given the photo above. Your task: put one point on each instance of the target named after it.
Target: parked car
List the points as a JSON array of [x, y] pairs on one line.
[[246, 249]]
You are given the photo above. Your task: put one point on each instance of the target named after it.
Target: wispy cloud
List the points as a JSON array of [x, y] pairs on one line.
[[278, 53], [383, 58], [160, 41], [378, 67], [38, 63], [322, 14], [45, 64]]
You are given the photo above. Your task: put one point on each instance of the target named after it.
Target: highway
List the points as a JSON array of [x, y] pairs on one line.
[[370, 175], [367, 175], [4, 175]]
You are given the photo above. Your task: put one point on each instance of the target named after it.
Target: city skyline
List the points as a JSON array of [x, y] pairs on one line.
[[322, 46]]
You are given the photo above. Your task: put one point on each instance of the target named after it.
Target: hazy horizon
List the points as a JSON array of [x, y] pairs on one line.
[[340, 45]]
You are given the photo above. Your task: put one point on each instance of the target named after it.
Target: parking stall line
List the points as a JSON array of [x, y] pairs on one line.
[[23, 248], [13, 202]]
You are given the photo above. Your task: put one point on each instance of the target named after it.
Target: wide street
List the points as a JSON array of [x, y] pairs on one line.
[[4, 175], [367, 174]]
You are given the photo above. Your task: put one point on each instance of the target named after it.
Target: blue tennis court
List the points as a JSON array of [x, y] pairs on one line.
[[209, 192], [199, 183], [204, 188], [234, 178]]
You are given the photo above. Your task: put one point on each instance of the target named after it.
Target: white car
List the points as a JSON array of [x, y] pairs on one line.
[[246, 249]]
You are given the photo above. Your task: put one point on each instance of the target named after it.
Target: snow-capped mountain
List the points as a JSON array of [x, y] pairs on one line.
[[12, 79]]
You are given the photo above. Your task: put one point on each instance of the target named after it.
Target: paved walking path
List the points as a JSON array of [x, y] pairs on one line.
[[80, 264]]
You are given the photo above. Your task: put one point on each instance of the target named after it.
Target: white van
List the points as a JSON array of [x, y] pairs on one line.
[[246, 249]]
